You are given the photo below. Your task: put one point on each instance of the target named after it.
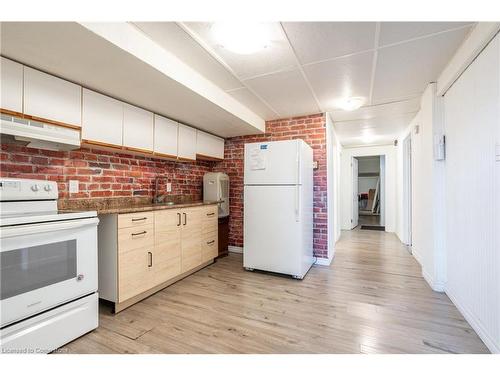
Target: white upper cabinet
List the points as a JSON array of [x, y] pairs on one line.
[[11, 85], [165, 138], [51, 98], [102, 119], [186, 143], [209, 146], [137, 128]]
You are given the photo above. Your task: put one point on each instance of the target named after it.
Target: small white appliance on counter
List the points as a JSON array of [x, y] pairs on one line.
[[278, 207], [216, 188], [48, 264]]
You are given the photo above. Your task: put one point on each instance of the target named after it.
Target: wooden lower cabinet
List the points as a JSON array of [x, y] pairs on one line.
[[135, 272], [140, 254], [191, 238], [167, 249]]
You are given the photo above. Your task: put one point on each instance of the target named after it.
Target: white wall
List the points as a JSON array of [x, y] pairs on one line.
[[472, 120], [428, 211], [390, 183], [333, 155]]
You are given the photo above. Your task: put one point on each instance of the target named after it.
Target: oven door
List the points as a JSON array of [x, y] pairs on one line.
[[46, 264]]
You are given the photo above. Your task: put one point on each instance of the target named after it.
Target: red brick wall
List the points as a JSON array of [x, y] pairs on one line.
[[111, 174], [102, 173], [309, 128]]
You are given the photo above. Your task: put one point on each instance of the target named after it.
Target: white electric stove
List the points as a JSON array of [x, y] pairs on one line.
[[48, 265]]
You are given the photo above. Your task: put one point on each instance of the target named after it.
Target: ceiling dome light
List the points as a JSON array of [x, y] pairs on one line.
[[350, 104], [241, 37]]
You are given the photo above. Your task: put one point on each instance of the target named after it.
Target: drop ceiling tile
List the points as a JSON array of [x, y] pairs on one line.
[[394, 32], [405, 69], [380, 130], [382, 110], [276, 57], [339, 78], [316, 41], [247, 98], [174, 39], [287, 92]]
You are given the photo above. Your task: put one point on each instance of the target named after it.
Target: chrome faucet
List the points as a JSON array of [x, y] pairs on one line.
[[157, 198]]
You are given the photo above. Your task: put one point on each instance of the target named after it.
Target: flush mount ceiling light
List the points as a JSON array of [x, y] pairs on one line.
[[241, 37], [351, 103]]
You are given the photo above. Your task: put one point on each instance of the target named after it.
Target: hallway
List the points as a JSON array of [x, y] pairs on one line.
[[372, 299]]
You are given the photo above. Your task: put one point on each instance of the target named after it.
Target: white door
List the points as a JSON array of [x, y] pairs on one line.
[[407, 199], [271, 163], [272, 234], [165, 138], [137, 128], [51, 98], [355, 200], [11, 89], [186, 143], [102, 119]]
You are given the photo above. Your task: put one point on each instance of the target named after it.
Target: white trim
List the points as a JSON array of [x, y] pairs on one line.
[[435, 285], [325, 261], [475, 324], [235, 249], [479, 37]]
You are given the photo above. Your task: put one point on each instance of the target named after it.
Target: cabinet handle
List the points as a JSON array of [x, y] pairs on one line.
[[210, 242], [179, 217], [211, 214], [139, 219], [150, 256], [185, 218], [139, 233]]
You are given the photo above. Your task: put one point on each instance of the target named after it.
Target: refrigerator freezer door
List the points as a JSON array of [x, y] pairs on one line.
[[273, 229], [272, 163]]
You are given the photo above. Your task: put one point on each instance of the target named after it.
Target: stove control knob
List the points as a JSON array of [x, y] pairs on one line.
[[34, 187], [47, 188]]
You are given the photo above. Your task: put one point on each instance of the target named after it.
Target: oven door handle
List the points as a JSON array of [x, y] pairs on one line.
[[23, 230]]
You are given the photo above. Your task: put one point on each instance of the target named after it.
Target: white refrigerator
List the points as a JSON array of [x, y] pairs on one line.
[[278, 207]]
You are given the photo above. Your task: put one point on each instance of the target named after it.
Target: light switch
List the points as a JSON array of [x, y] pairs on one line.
[[74, 186], [169, 187]]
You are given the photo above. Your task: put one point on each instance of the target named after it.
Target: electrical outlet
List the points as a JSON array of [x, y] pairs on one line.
[[74, 186], [169, 187]]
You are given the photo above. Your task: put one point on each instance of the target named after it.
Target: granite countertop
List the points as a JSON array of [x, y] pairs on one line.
[[128, 205]]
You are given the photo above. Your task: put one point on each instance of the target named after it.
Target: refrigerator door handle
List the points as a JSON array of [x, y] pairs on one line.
[[297, 203], [298, 163]]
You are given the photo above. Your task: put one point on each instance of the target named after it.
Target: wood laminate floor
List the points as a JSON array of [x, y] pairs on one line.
[[372, 299]]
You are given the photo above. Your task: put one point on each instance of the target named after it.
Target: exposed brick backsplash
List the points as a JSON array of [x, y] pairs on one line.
[[309, 128], [104, 174]]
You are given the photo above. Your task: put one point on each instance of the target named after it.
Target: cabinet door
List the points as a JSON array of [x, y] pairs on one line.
[[135, 272], [137, 128], [167, 254], [186, 143], [209, 146], [11, 86], [165, 137], [102, 119], [191, 238], [51, 98]]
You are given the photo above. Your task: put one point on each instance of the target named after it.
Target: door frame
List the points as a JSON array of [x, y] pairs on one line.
[[355, 192], [407, 191]]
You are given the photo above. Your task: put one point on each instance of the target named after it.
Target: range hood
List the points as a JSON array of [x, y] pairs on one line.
[[37, 134]]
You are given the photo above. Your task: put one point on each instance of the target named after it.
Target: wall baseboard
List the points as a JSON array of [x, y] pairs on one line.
[[325, 261], [475, 324], [435, 285], [235, 249]]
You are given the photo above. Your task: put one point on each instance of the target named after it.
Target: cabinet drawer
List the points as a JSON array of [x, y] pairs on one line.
[[135, 219], [210, 220], [209, 246], [135, 237]]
